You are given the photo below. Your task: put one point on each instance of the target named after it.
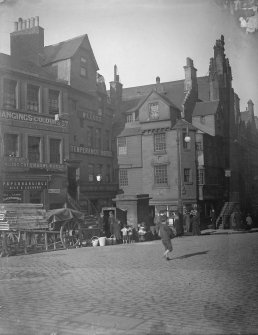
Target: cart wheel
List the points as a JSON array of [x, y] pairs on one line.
[[69, 234]]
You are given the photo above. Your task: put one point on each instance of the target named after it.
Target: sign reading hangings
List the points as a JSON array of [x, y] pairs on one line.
[[20, 185], [33, 118], [90, 151]]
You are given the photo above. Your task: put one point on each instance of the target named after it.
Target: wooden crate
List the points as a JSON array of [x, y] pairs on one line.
[[23, 216]]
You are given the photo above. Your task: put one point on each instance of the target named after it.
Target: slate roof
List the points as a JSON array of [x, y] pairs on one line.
[[130, 131], [173, 90], [206, 108], [8, 62], [65, 50], [139, 102]]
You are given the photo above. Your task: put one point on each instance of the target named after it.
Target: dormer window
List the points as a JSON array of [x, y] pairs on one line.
[[83, 68], [130, 118]]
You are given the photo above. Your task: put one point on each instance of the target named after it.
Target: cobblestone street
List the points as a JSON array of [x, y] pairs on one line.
[[209, 287]]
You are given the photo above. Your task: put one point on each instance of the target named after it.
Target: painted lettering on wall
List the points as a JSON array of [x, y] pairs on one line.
[[33, 118], [90, 151]]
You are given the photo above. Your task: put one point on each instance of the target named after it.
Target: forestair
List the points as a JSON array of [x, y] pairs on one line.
[[224, 216]]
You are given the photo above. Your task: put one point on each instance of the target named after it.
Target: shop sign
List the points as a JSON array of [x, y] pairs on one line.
[[90, 151], [54, 190], [23, 163], [33, 118], [19, 185], [12, 197], [89, 115]]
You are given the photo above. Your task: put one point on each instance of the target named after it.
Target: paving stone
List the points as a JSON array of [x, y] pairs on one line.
[[209, 287]]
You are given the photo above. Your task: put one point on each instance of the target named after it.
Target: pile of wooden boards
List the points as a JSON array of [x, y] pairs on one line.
[[22, 216]]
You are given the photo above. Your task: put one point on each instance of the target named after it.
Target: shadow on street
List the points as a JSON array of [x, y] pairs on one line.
[[189, 255]]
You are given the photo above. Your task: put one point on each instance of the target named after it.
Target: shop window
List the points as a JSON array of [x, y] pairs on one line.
[[188, 176], [11, 145], [123, 177], [122, 147], [35, 197], [53, 102], [160, 142], [91, 172], [10, 93], [160, 174], [32, 98], [34, 149], [55, 151]]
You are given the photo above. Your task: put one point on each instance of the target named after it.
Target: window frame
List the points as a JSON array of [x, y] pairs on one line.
[[160, 144], [17, 152], [51, 110], [40, 148], [188, 176], [83, 66], [6, 102], [60, 150], [90, 173], [161, 177], [36, 108], [123, 177], [122, 149]]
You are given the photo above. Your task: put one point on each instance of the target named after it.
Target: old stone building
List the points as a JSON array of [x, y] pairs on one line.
[[56, 123], [179, 148]]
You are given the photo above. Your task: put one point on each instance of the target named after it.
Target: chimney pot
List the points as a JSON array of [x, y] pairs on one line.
[[37, 20], [28, 23], [20, 23], [15, 26], [157, 80], [32, 22], [24, 24]]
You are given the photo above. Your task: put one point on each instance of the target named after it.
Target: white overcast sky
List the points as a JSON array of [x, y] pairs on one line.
[[145, 38]]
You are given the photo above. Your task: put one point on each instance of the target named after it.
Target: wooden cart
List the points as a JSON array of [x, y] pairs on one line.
[[29, 228]]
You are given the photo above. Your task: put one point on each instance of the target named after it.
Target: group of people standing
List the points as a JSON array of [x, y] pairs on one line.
[[191, 222], [112, 227]]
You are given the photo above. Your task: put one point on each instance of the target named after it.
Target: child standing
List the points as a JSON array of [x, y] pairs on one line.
[[124, 232], [130, 234]]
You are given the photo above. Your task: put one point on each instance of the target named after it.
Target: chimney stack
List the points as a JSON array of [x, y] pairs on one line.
[[27, 40]]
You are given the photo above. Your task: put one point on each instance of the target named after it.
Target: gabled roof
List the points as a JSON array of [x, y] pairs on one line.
[[206, 108], [173, 90], [139, 102], [65, 50], [29, 68]]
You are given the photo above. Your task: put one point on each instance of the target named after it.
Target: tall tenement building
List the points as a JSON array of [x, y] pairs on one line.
[[56, 123], [186, 144]]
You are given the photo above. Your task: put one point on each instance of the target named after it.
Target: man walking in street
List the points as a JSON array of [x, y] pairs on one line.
[[165, 235]]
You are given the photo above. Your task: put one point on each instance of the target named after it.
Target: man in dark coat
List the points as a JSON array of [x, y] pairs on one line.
[[165, 235]]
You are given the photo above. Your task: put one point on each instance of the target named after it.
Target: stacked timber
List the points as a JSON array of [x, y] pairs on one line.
[[22, 217]]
